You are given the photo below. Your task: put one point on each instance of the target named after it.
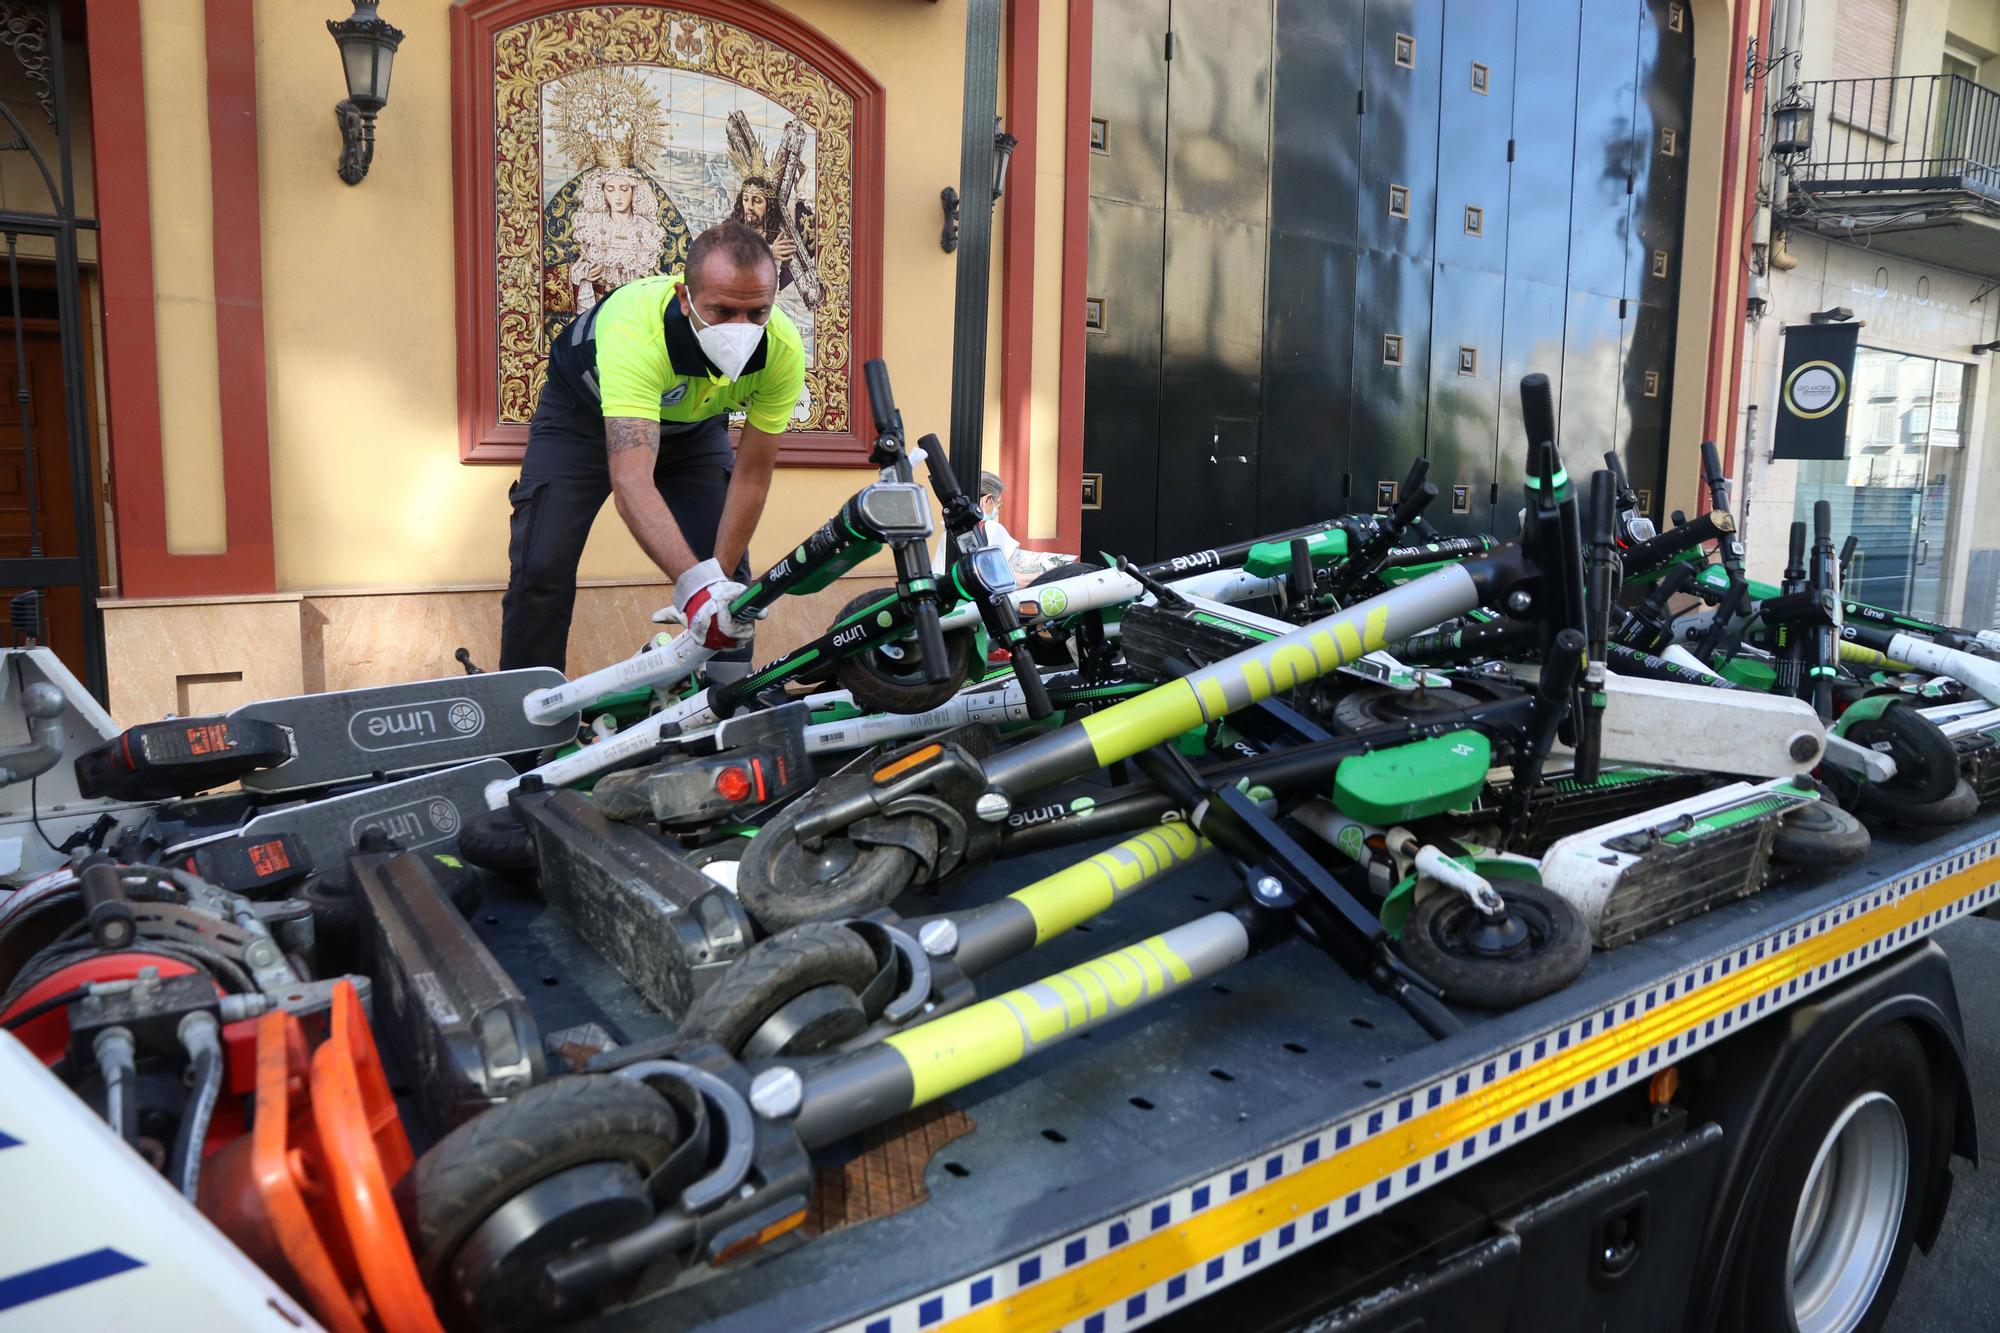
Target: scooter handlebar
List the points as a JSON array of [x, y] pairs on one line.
[[930, 641], [1413, 503], [880, 401], [1712, 474], [1033, 691], [1626, 497], [1538, 409], [1822, 522], [943, 480]]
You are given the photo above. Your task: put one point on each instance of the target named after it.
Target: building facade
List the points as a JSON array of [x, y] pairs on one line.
[[298, 401], [1890, 219]]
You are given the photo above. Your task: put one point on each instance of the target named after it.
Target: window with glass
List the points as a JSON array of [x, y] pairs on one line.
[[1894, 488]]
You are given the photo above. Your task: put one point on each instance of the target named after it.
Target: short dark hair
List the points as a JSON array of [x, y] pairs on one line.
[[743, 246]]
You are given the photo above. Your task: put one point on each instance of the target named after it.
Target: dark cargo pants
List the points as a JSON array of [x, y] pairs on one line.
[[564, 482]]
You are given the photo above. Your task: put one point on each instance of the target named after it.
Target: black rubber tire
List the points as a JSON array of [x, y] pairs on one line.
[[1959, 805], [462, 882], [1372, 707], [773, 973], [1049, 645], [1061, 572], [820, 674], [566, 1122], [884, 684], [336, 913], [497, 840], [336, 909], [1890, 1059], [1820, 834], [779, 890], [1555, 956], [726, 849], [1926, 760]]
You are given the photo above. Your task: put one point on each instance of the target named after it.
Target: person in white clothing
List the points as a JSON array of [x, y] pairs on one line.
[[1027, 565]]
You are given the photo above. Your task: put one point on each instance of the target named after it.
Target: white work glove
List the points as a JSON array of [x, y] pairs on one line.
[[701, 602]]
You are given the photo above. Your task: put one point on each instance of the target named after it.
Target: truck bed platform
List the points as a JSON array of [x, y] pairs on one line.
[[1120, 1177]]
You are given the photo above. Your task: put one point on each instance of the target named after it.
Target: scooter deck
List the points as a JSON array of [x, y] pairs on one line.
[[349, 735], [422, 813], [1173, 1154]]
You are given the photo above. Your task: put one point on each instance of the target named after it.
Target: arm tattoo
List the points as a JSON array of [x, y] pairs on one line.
[[622, 433]]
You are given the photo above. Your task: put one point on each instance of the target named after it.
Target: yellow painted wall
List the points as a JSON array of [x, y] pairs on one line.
[[366, 483], [173, 41]]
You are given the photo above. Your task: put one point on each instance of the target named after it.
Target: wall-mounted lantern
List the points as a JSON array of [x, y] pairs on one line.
[[1004, 145], [1791, 127], [367, 53]]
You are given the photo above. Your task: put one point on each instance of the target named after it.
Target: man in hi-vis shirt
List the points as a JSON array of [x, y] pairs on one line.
[[636, 406]]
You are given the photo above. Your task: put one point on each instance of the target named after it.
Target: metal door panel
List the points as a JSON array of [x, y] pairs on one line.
[[1308, 351], [1214, 296], [1660, 154], [1399, 142], [1645, 391], [1121, 404], [1212, 340], [1315, 134], [1392, 296], [1544, 130], [1592, 346], [1219, 109], [1600, 204], [1467, 307], [1476, 91], [1338, 20], [1531, 344], [1128, 92]]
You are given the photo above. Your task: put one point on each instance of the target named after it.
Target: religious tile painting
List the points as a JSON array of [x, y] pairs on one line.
[[620, 133]]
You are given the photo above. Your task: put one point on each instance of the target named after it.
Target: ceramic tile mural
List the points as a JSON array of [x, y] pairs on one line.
[[620, 133]]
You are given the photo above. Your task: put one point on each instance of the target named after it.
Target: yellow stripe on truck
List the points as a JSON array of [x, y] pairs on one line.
[[948, 1053], [1134, 1267]]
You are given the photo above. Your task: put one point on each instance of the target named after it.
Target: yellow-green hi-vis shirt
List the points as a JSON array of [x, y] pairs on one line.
[[635, 354]]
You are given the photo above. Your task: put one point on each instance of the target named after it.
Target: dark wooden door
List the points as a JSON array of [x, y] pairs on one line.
[[37, 504]]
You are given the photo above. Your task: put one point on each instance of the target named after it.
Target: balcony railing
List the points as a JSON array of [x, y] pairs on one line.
[[1919, 132]]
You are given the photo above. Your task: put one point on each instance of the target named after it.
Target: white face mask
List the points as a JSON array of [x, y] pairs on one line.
[[729, 346]]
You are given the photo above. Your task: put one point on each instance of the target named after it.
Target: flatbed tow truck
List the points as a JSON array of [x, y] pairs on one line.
[[1281, 1147], [1286, 1146]]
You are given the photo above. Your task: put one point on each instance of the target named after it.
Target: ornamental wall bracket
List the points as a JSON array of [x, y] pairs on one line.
[[26, 32], [357, 141]]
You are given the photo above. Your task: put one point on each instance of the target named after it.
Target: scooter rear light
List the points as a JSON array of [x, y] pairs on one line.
[[732, 784]]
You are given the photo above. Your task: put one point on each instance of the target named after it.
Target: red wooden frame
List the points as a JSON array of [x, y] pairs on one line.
[[131, 347], [1075, 276], [1017, 263], [1732, 238], [483, 438]]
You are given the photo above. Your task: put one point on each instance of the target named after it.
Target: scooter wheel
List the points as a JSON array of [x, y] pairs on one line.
[[578, 1121], [820, 674], [1049, 643], [1926, 762], [782, 883], [825, 965], [1539, 948], [1820, 834], [497, 840], [889, 678], [1961, 804], [336, 908], [721, 861]]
